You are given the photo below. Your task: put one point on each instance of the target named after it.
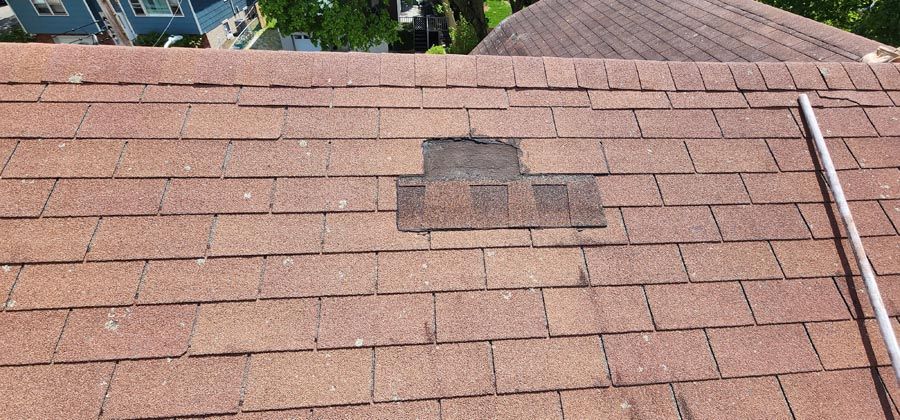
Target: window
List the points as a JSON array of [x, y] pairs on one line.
[[156, 7], [49, 7]]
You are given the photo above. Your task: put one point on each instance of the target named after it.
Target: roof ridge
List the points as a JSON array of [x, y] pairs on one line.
[[37, 63]]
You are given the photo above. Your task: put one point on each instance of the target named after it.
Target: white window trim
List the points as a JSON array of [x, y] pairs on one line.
[[170, 14], [52, 13]]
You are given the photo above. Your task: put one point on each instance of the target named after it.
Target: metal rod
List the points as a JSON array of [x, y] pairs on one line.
[[884, 321]]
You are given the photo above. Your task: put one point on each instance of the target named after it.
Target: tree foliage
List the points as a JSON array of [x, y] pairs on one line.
[[473, 12], [879, 20], [334, 24], [517, 5], [463, 37]]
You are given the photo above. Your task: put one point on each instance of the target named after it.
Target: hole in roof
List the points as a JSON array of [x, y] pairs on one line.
[[478, 184]]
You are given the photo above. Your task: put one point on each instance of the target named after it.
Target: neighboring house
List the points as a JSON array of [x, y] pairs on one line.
[[81, 21], [694, 30]]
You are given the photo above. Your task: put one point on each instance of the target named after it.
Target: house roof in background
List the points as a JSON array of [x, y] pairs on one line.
[[692, 30], [196, 232]]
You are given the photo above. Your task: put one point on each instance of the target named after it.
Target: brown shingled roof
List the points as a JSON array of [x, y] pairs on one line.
[[189, 233], [683, 30]]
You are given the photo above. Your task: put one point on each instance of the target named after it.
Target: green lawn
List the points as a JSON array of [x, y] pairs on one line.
[[495, 11]]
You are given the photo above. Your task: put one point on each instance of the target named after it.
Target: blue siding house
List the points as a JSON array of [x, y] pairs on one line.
[[82, 21]]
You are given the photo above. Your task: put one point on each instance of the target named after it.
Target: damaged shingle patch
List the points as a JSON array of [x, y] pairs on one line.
[[478, 184]]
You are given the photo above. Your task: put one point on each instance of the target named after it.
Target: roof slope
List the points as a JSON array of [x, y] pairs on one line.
[[692, 30], [190, 233]]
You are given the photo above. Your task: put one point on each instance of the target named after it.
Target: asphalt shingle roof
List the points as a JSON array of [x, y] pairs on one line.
[[688, 30], [193, 233]]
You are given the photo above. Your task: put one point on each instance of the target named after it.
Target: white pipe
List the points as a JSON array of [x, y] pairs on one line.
[[884, 321]]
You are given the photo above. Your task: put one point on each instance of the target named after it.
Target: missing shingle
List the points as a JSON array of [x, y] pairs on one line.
[[478, 184], [463, 158]]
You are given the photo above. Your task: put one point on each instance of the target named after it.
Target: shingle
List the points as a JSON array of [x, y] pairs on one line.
[[319, 275], [760, 222], [504, 407], [785, 187], [757, 123], [702, 189], [176, 387], [529, 71], [561, 156], [517, 122], [618, 265], [150, 237], [61, 390], [495, 71], [243, 327], [384, 157], [413, 410], [491, 238], [279, 158], [730, 261], [29, 337], [126, 333], [825, 222], [875, 152], [460, 97], [645, 358], [266, 234], [191, 196], [216, 279], [622, 74], [627, 99], [303, 379], [421, 271], [560, 72], [747, 76], [778, 301], [529, 267], [378, 97], [849, 344], [154, 121], [431, 70], [591, 74], [651, 401], [196, 94], [363, 69], [716, 76], [580, 122], [776, 76], [24, 198], [682, 224], [461, 70], [21, 92], [546, 364], [57, 120], [487, 315], [861, 76], [745, 155], [358, 321], [64, 159], [655, 75], [629, 190], [797, 154], [397, 70], [542, 97], [885, 120], [92, 93], [105, 197], [429, 371], [325, 194], [751, 397], [702, 100], [647, 156], [379, 233], [806, 76], [669, 124], [172, 159], [75, 285], [418, 123], [574, 311], [755, 351], [851, 393], [45, 240], [686, 76], [685, 306], [331, 123]]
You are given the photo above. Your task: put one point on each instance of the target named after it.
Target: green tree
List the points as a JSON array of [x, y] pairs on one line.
[[881, 22], [472, 11], [878, 20], [335, 24]]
